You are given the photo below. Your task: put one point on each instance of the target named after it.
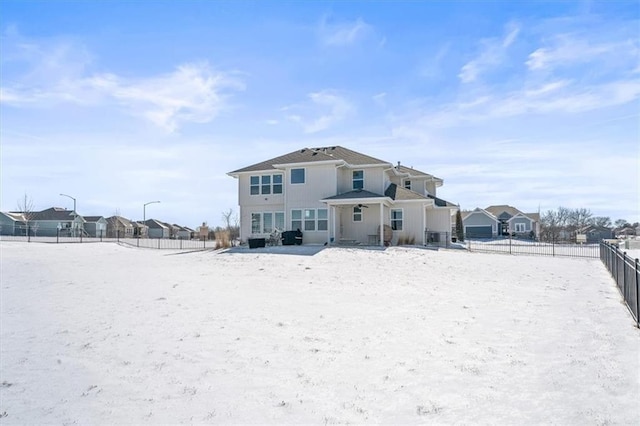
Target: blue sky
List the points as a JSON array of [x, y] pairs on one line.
[[533, 104]]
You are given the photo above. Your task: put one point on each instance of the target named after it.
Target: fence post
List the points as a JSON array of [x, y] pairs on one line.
[[57, 235], [637, 295], [553, 246], [510, 243], [624, 275]]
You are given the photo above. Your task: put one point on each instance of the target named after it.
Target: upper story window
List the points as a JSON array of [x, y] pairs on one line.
[[407, 183], [358, 179], [266, 184], [297, 176]]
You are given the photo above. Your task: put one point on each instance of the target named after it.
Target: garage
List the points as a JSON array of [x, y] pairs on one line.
[[478, 231]]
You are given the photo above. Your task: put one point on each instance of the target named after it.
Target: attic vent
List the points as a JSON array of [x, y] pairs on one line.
[[315, 153], [302, 151]]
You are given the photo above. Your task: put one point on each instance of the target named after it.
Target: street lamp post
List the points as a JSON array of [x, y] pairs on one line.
[[75, 215], [144, 211]]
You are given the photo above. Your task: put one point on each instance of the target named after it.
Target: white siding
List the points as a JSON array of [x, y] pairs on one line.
[[439, 220]]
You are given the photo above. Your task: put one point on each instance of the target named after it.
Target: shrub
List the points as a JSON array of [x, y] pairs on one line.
[[223, 240]]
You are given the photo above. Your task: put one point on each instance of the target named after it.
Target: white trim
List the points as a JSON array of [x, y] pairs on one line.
[[391, 219]]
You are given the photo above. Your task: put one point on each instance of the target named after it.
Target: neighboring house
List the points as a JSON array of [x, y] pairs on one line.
[[47, 223], [181, 232], [514, 222], [119, 227], [334, 194], [627, 231], [479, 223], [140, 230], [594, 234], [157, 229], [12, 224], [95, 226]]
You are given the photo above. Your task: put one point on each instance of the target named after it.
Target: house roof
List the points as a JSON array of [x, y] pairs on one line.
[[415, 173], [92, 218], [153, 223], [16, 217], [126, 222], [54, 213], [311, 155], [399, 193], [441, 203], [478, 210], [354, 195], [497, 210]]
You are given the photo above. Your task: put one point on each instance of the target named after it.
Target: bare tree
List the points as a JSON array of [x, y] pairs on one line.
[[231, 221], [579, 218], [25, 207], [601, 221]]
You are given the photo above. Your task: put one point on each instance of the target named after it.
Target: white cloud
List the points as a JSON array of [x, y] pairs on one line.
[[325, 109], [567, 50], [492, 54], [343, 33], [60, 73], [336, 109]]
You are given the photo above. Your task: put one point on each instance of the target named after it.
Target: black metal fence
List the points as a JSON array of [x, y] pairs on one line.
[[437, 239], [510, 245], [153, 243], [624, 271]]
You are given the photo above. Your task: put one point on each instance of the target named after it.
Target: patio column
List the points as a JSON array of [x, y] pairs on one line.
[[381, 224], [333, 225], [424, 225]]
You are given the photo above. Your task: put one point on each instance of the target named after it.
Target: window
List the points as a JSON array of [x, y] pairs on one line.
[[323, 220], [256, 223], [297, 176], [296, 219], [396, 219], [267, 219], [266, 184], [255, 185], [266, 222], [310, 219], [358, 179], [407, 184], [521, 227], [357, 214], [279, 220], [277, 184]]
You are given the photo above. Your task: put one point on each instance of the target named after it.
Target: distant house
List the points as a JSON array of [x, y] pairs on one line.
[[140, 230], [157, 229], [47, 223], [12, 224], [95, 226], [479, 223], [514, 222], [628, 231], [594, 234], [119, 227], [181, 232]]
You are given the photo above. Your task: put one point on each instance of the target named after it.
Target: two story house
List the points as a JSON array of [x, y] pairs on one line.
[[334, 194], [498, 220]]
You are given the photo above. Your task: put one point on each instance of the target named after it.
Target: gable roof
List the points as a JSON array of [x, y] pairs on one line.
[[55, 213], [499, 209], [353, 195], [478, 210], [153, 223], [93, 218], [415, 173], [312, 155], [123, 220], [16, 217]]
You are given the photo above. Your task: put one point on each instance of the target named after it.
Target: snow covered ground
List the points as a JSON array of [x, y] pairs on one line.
[[101, 333]]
